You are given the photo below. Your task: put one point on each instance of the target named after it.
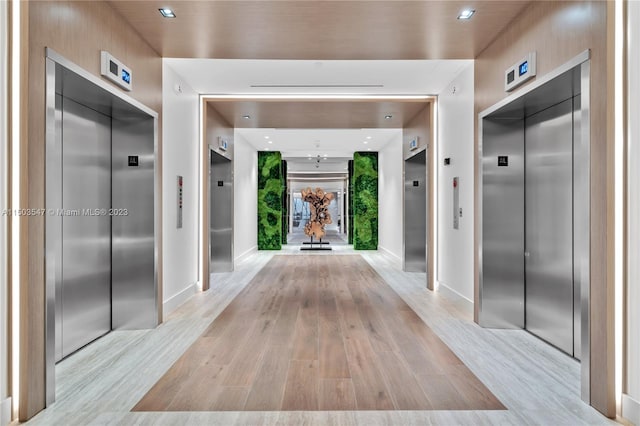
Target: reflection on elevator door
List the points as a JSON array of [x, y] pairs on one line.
[[415, 213], [100, 239], [220, 213], [85, 290], [548, 225]]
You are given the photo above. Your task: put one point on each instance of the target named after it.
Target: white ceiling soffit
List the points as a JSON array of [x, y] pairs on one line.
[[327, 185], [365, 77], [333, 144]]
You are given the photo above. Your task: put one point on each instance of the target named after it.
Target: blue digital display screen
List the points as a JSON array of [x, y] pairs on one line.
[[126, 77], [524, 67]]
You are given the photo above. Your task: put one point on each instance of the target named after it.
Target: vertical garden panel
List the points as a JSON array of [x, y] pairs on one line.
[[365, 200], [269, 200], [350, 206]]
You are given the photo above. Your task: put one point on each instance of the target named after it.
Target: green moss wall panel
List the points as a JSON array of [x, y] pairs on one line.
[[269, 200], [365, 200]]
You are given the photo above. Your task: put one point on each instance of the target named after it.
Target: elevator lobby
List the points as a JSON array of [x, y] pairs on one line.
[[319, 212]]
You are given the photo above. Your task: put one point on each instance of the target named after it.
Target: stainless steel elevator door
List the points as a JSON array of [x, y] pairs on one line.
[[133, 246], [502, 290], [85, 286], [220, 213], [549, 225], [415, 213]]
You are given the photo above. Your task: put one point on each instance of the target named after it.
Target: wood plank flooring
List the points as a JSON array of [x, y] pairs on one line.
[[313, 333]]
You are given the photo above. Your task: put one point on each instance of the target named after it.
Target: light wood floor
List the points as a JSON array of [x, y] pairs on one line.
[[318, 333], [538, 384]]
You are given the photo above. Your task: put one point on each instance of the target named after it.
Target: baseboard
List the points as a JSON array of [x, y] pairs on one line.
[[246, 254], [445, 289], [394, 257], [5, 412], [176, 300], [630, 409]]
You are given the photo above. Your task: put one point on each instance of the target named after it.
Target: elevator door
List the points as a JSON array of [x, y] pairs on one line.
[[415, 213], [220, 213], [85, 285], [549, 225]]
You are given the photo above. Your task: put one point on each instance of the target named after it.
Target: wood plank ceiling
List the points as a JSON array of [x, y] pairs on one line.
[[319, 29], [334, 114]]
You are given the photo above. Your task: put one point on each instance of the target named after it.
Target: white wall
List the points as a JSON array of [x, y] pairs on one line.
[[455, 141], [390, 189], [180, 157], [245, 198], [631, 403]]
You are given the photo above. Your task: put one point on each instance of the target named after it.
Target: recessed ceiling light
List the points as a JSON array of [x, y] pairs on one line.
[[266, 137], [309, 158], [246, 117], [368, 137], [388, 117], [308, 155], [365, 142], [270, 141], [266, 149], [466, 14], [167, 13], [368, 149]]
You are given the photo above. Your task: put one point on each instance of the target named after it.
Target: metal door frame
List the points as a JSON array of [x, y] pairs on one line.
[[52, 61], [581, 200]]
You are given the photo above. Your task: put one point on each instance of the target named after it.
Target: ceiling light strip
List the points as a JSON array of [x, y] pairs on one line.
[[15, 200], [315, 96], [341, 86], [619, 140]]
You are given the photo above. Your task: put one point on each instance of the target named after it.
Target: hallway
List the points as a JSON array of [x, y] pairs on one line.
[[318, 333], [104, 382]]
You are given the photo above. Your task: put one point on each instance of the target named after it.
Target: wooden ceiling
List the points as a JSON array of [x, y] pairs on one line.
[[319, 29], [334, 114]]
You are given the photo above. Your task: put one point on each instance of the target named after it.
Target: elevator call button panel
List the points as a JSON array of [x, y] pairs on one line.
[[456, 203], [179, 221]]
